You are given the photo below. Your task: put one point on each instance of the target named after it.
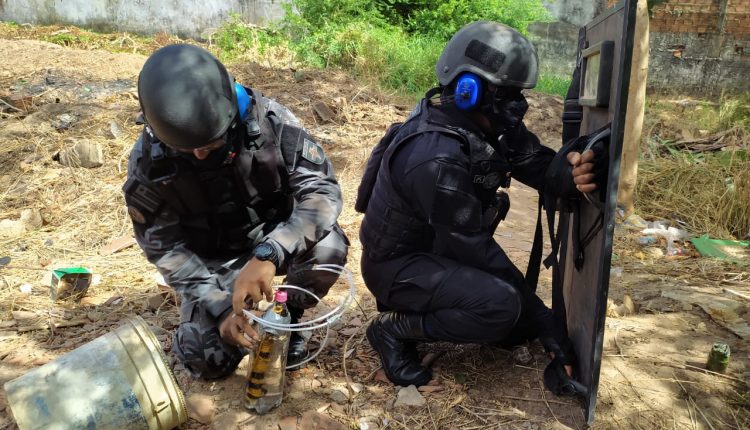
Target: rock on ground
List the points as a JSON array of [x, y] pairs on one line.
[[201, 407], [409, 396]]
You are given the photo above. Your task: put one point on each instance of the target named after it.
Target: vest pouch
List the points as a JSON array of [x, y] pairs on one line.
[[496, 211]]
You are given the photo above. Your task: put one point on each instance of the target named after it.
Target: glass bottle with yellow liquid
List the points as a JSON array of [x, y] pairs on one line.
[[266, 375]]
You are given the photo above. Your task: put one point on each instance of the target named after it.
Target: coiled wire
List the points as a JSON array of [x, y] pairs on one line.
[[323, 321]]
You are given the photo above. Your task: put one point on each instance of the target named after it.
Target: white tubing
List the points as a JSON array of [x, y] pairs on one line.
[[323, 321]]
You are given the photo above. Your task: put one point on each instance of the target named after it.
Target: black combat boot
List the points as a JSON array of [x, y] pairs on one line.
[[394, 335], [297, 344]]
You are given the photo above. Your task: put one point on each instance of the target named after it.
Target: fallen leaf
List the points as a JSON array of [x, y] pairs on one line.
[[115, 300], [380, 377], [118, 244], [349, 331]]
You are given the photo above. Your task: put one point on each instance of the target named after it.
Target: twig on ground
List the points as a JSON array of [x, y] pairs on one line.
[[482, 419], [432, 420], [10, 106], [369, 375], [736, 293], [679, 366], [692, 401], [541, 385], [525, 367], [51, 326], [361, 309], [690, 413], [538, 400], [343, 357]]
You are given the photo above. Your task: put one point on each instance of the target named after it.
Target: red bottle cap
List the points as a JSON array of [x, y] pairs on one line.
[[280, 296]]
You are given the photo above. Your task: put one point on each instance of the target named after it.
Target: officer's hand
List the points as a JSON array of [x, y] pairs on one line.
[[236, 330], [583, 169], [253, 282]]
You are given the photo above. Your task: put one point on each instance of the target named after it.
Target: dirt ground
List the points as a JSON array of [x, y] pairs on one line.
[[650, 376]]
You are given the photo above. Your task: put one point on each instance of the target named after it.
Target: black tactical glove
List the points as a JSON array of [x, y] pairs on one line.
[[562, 350], [559, 177], [556, 378]]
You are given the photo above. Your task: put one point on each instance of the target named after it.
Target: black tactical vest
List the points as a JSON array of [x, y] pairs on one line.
[[390, 228]]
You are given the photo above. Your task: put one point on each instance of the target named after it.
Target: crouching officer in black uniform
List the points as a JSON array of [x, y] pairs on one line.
[[431, 203], [226, 190]]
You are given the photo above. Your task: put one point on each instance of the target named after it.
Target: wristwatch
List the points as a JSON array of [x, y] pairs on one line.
[[267, 252]]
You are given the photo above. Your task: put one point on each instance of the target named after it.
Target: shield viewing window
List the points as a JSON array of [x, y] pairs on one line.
[[596, 74]]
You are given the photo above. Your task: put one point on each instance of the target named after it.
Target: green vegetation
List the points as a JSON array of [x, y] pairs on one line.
[[553, 84], [236, 38], [392, 42], [68, 39], [734, 112]]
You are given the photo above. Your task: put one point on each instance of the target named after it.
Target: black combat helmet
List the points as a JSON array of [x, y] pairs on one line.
[[186, 96], [495, 52]]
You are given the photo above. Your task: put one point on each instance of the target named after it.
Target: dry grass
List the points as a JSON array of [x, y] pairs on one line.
[[711, 196], [84, 210]]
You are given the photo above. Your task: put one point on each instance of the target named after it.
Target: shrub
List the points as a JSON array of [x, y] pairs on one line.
[[236, 38], [393, 42], [442, 19], [553, 84]]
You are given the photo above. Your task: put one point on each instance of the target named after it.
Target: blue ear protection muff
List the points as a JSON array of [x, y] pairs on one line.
[[243, 101], [468, 92]]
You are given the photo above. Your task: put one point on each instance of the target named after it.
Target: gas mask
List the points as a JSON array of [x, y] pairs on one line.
[[505, 108]]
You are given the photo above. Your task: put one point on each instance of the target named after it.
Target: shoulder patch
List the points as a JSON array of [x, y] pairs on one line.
[[312, 152]]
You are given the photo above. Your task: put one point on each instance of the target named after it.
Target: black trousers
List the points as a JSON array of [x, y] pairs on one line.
[[197, 342], [459, 303]]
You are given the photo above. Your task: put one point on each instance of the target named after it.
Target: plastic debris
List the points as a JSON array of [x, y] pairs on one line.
[[670, 234], [70, 282], [729, 250], [634, 222]]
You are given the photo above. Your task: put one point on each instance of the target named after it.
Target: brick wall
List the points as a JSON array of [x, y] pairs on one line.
[[738, 17], [700, 46], [702, 16]]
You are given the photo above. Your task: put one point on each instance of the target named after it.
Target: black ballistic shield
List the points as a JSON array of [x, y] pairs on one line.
[[605, 59]]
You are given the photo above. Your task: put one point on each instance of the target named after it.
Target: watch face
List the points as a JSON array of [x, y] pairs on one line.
[[264, 251]]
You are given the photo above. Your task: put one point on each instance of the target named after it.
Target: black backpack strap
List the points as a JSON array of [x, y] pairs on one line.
[[535, 257]]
